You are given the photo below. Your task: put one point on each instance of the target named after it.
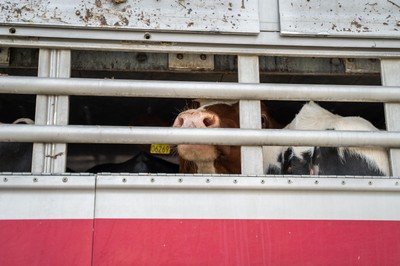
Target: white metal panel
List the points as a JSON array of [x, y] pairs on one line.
[[269, 15], [390, 70], [246, 197], [201, 15], [46, 197], [51, 110], [352, 18], [250, 114]]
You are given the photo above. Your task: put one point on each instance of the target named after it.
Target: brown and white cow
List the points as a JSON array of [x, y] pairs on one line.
[[214, 159]]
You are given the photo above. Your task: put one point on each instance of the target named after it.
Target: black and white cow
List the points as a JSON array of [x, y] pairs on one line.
[[326, 160]]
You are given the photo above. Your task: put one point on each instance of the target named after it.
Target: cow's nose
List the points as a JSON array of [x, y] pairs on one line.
[[197, 119]]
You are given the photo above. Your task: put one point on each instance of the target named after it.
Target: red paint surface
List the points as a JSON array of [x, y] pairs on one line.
[[46, 242], [199, 242], [245, 242]]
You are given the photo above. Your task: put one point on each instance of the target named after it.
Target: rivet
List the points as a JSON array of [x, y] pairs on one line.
[[152, 180], [147, 36], [234, 181], [124, 180], [343, 183], [141, 57], [203, 57], [65, 179], [207, 180], [263, 181], [35, 179], [77, 12], [179, 56], [289, 181], [12, 30], [370, 183], [316, 182], [5, 179], [180, 180]]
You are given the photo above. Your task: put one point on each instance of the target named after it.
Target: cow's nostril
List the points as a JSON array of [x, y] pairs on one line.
[[178, 122], [209, 121]]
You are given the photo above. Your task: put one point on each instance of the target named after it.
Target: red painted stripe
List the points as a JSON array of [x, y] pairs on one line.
[[199, 242], [245, 242], [46, 242]]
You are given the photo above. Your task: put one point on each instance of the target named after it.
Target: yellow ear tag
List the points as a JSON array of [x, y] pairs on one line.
[[160, 149]]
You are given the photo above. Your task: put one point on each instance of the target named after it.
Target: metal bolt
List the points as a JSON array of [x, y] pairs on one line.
[[152, 180], [35, 179], [343, 183], [141, 57], [5, 179], [263, 181], [179, 56], [207, 180], [65, 179], [316, 182], [180, 180], [77, 12], [370, 183], [12, 30], [203, 57], [124, 180], [234, 181], [289, 181], [147, 36]]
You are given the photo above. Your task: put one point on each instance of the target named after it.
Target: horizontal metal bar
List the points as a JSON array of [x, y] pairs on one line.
[[265, 43], [173, 47], [210, 90], [215, 136], [240, 182], [189, 181]]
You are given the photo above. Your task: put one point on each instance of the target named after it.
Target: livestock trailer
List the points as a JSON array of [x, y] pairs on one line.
[[103, 81]]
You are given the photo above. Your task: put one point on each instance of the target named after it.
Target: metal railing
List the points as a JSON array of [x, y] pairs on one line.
[[210, 90]]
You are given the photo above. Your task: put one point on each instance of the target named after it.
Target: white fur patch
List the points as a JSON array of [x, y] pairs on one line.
[[314, 117], [271, 155], [24, 120], [205, 167]]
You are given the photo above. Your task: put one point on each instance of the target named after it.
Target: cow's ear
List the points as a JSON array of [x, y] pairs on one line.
[[264, 121]]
